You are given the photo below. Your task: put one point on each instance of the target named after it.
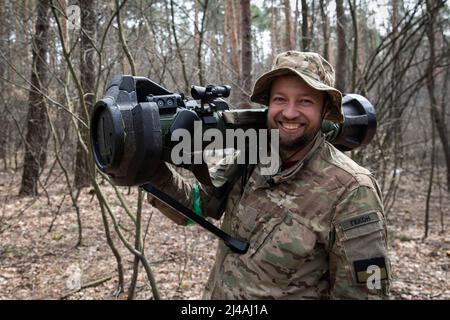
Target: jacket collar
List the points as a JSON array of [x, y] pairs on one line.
[[287, 174]]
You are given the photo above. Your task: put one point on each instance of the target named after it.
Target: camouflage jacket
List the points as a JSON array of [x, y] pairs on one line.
[[316, 230]]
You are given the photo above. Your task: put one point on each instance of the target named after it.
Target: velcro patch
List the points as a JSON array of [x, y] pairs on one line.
[[359, 221], [363, 268]]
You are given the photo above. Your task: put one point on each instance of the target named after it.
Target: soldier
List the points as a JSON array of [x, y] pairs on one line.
[[316, 228]]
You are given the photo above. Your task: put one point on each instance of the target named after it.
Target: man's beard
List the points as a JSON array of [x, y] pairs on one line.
[[294, 144], [289, 145]]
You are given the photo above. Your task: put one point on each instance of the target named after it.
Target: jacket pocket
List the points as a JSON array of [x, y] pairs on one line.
[[283, 244], [363, 241]]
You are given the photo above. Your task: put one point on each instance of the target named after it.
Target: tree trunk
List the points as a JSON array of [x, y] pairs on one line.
[[237, 13], [232, 49], [305, 35], [236, 7], [87, 70], [37, 122], [312, 46], [341, 63], [200, 33], [234, 27], [355, 43], [246, 55], [325, 32], [289, 40], [274, 31], [179, 49], [63, 121], [444, 133], [430, 182], [296, 17], [361, 43], [433, 10], [3, 49]]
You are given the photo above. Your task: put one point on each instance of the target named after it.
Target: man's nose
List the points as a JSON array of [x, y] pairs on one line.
[[290, 111]]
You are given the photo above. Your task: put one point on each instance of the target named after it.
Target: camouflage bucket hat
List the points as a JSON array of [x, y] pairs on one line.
[[309, 66]]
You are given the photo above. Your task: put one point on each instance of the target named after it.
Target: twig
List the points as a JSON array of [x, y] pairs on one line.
[[90, 284], [56, 214]]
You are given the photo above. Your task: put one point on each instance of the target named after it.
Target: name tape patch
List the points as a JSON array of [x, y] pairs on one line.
[[359, 221]]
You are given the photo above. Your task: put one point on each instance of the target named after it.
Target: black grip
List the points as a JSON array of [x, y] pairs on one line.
[[236, 245]]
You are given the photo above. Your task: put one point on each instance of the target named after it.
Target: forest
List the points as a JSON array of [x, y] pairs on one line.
[[67, 232]]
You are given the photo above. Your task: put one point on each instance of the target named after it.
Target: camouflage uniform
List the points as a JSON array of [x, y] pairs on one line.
[[314, 230], [307, 227]]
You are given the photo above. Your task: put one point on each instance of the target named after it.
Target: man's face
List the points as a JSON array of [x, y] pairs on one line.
[[296, 110]]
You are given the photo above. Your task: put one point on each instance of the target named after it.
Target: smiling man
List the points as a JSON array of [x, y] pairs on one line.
[[296, 110], [316, 228]]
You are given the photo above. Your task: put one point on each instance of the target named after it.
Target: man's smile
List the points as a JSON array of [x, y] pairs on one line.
[[291, 127]]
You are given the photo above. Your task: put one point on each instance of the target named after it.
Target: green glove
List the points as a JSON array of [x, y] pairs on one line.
[[196, 204]]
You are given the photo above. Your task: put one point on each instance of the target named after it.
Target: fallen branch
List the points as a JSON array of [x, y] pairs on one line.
[[90, 284]]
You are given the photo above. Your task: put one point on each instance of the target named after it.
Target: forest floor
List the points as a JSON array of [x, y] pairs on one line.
[[37, 262]]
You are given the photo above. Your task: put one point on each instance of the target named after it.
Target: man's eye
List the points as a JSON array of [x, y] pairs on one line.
[[278, 99], [305, 102]]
